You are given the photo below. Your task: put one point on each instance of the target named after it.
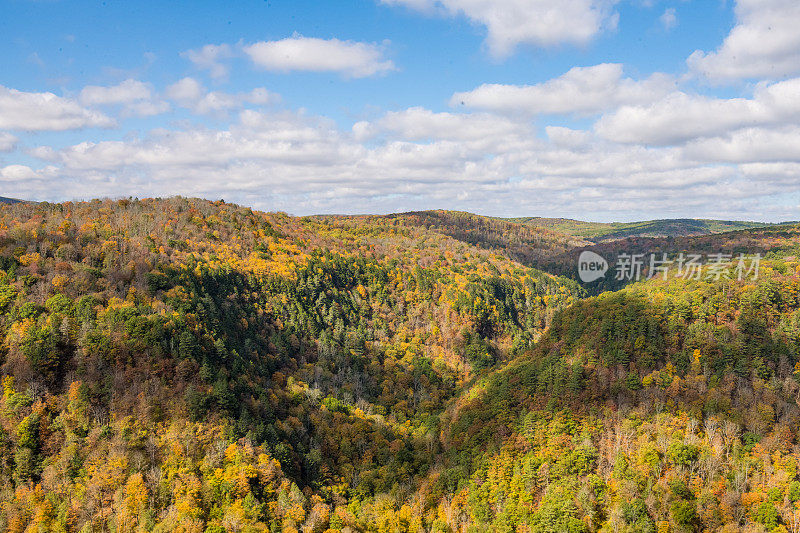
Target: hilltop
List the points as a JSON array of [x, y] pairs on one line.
[[4, 200]]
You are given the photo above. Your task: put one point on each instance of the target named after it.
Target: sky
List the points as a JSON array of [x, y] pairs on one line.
[[599, 110]]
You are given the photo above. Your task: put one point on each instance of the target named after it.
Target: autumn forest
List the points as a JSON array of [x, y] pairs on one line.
[[186, 365]]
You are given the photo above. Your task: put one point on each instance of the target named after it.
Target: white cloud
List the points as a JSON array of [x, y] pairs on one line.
[[750, 145], [185, 90], [219, 102], [22, 173], [45, 111], [409, 159], [261, 96], [146, 108], [256, 136], [581, 90], [764, 44], [7, 142], [539, 22], [24, 182], [680, 117], [776, 173], [669, 19], [126, 92], [137, 98], [210, 58], [298, 53], [191, 94], [418, 123], [567, 137]]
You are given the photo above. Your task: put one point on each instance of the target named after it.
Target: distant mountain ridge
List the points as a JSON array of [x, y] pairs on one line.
[[609, 231], [492, 231], [5, 200]]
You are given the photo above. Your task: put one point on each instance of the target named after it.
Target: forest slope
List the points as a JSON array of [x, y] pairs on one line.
[[182, 364]]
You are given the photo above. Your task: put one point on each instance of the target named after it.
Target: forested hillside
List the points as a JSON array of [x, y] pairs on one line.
[[185, 365], [178, 364]]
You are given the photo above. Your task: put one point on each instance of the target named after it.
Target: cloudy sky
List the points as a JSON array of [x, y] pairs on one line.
[[592, 109]]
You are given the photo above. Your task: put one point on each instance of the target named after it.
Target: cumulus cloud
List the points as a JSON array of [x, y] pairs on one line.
[[136, 97], [581, 90], [13, 173], [680, 117], [764, 44], [26, 111], [7, 142], [297, 53], [408, 159], [211, 58], [538, 22], [190, 93]]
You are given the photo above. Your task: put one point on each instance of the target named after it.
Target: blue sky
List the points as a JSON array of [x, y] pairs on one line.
[[593, 109]]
